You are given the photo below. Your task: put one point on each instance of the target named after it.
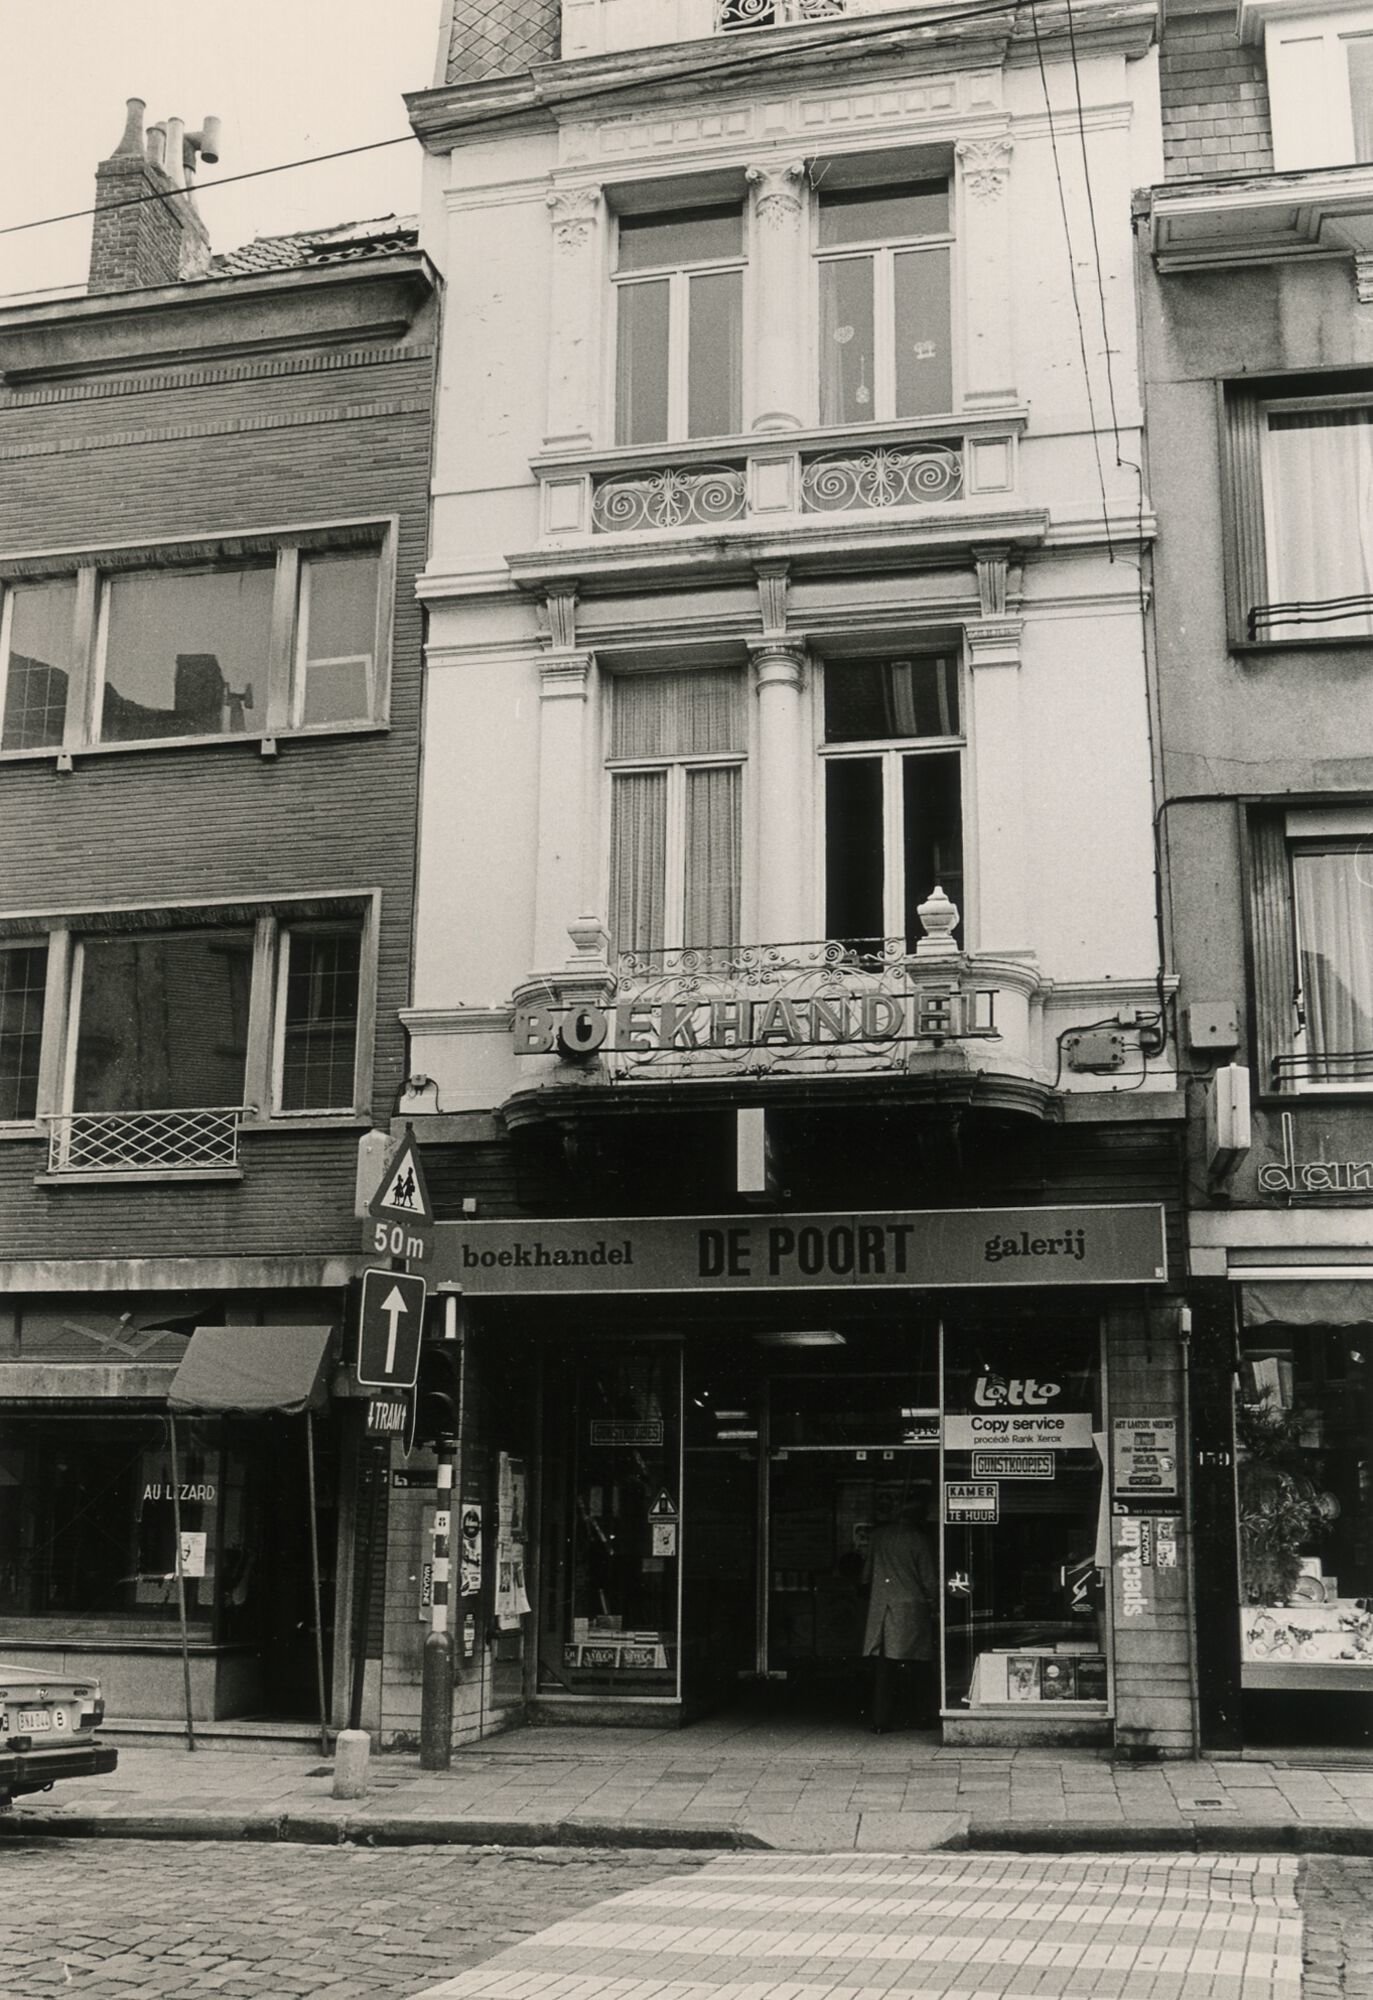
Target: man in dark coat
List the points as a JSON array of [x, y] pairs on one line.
[[901, 1629]]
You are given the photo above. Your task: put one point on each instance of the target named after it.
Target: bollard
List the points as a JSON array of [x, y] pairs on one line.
[[436, 1703], [352, 1750]]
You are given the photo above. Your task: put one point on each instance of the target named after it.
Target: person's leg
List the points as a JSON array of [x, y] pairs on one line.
[[883, 1693]]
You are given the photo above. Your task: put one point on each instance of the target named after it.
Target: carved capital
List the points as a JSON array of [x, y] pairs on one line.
[[565, 678], [993, 642], [985, 164], [1363, 280], [778, 663], [777, 196], [576, 213]]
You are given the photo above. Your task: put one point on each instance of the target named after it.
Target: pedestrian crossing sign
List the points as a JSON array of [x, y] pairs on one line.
[[402, 1192]]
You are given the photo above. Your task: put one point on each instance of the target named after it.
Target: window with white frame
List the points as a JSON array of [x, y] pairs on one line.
[[679, 289], [677, 748], [318, 992], [885, 330], [1318, 58], [892, 758], [1301, 495], [199, 646], [23, 981]]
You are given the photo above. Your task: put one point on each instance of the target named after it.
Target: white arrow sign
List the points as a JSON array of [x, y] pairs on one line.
[[393, 1305]]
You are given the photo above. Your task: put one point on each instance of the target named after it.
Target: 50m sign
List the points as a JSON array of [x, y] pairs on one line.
[[396, 1239]]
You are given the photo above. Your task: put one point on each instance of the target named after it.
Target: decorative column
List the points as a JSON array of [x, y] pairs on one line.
[[985, 221], [564, 687], [780, 274], [779, 678], [994, 729], [575, 320]]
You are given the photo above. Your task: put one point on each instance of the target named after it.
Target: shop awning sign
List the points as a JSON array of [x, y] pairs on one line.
[[948, 1248]]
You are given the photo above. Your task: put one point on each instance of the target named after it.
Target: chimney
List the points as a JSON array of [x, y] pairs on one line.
[[147, 229]]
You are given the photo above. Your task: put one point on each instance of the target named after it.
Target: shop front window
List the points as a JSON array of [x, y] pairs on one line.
[[88, 1519], [1025, 1538], [611, 1561], [1304, 1491]]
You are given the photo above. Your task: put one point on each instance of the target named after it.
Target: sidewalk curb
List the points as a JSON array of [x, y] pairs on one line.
[[323, 1829], [385, 1830]]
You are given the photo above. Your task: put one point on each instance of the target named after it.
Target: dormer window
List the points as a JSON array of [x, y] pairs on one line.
[[1319, 59]]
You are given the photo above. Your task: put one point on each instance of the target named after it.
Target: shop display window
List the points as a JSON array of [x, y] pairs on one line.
[[88, 1520], [1304, 1493], [1025, 1532], [613, 1469]]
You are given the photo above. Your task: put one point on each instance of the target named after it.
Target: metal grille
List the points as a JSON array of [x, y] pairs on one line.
[[108, 1142], [730, 14], [501, 37], [842, 482], [674, 497]]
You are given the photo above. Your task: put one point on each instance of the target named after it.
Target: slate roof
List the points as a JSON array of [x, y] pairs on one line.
[[342, 243]]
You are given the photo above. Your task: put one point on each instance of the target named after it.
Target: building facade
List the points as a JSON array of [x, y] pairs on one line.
[[213, 513], [1254, 265], [790, 1044]]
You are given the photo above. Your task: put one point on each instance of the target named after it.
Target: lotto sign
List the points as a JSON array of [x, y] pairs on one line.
[[400, 1217], [390, 1328]]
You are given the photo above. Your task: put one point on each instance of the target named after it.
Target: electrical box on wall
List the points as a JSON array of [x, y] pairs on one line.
[[1099, 1049], [1228, 1130], [1213, 1024]]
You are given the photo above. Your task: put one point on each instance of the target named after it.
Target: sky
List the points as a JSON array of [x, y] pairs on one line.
[[288, 78]]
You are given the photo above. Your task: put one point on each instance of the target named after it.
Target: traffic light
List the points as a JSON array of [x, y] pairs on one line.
[[438, 1396]]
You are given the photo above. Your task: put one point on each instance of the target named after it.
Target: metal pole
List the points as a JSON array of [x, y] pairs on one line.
[[314, 1580], [181, 1585], [376, 1457], [436, 1692]]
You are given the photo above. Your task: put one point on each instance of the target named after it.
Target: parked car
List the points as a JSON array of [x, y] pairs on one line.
[[47, 1731]]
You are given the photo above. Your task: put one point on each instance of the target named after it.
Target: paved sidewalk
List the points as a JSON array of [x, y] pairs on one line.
[[1165, 1927], [721, 1784]]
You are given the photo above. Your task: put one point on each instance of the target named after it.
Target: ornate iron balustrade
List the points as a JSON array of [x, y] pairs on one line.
[[695, 496], [168, 1142], [822, 1004], [731, 14], [841, 482]]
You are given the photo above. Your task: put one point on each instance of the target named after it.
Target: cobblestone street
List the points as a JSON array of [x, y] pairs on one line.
[[135, 1920], [155, 1920]]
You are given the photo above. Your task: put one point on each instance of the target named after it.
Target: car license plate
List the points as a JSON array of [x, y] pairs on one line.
[[33, 1721]]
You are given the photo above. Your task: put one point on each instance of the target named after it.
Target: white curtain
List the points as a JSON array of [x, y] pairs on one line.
[[712, 856], [678, 715], [638, 859], [1334, 900], [1318, 484]]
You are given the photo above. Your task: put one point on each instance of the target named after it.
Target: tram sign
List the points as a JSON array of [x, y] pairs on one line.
[[1111, 1244]]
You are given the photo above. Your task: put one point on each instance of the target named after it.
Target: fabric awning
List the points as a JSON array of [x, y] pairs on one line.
[[252, 1371], [1308, 1302]]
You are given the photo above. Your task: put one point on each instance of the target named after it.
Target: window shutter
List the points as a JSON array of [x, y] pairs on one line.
[[1246, 555], [1273, 945]]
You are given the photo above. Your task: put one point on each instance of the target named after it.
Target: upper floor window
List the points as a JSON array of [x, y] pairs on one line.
[[23, 979], [1301, 494], [1311, 891], [679, 281], [885, 326], [200, 646], [893, 794], [1318, 56], [677, 749]]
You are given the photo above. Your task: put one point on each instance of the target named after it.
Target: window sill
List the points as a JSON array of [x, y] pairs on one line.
[[116, 1176], [19, 1130], [320, 732]]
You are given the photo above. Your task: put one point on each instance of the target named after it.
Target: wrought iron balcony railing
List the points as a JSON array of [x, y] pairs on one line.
[[732, 14], [844, 482], [671, 496], [165, 1142]]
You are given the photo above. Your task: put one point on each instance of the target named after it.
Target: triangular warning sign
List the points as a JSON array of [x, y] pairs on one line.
[[402, 1190], [664, 1507]]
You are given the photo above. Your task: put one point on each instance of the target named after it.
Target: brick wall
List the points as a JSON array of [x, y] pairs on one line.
[[1215, 99], [209, 449], [134, 242]]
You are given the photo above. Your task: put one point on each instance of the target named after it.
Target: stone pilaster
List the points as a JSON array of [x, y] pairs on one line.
[[578, 312], [779, 666], [781, 276], [984, 167]]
